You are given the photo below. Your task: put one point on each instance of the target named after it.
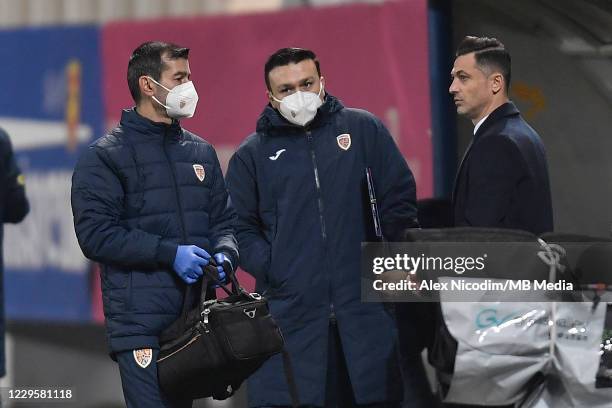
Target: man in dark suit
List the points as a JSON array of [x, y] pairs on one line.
[[503, 178]]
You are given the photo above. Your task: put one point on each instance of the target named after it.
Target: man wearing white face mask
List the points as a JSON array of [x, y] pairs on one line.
[[150, 205], [297, 186]]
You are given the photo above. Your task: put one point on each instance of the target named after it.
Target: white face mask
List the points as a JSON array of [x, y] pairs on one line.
[[181, 101], [300, 108]]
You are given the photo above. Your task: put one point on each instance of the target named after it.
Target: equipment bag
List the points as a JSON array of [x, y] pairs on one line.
[[211, 349]]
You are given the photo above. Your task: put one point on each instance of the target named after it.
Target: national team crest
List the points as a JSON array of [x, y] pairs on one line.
[[344, 141], [199, 171], [143, 357]]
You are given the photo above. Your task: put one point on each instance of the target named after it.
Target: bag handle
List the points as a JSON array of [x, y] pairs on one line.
[[211, 275]]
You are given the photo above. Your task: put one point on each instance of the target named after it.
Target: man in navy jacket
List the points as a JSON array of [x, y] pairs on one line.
[[14, 207], [150, 205], [502, 180], [296, 184]]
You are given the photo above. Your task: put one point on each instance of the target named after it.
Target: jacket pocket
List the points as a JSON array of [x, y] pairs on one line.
[[274, 232], [274, 275]]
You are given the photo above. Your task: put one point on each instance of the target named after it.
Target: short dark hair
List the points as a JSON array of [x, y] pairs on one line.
[[286, 56], [489, 53], [147, 60]]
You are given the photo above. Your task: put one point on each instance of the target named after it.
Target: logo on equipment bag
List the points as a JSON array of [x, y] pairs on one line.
[[344, 141], [143, 357], [250, 313], [199, 171]]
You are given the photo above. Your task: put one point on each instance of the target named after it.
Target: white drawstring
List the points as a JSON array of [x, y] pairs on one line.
[[551, 256]]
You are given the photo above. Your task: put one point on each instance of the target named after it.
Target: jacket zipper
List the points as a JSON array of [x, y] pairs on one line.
[[176, 191], [318, 185], [332, 313]]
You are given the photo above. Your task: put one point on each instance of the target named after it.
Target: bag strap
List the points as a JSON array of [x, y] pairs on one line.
[[210, 275], [288, 369]]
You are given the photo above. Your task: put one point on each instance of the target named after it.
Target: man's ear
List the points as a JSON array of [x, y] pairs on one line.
[[497, 83], [146, 86], [322, 85], [275, 104]]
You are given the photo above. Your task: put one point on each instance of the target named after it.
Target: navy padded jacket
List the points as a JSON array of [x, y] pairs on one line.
[[302, 215], [136, 196]]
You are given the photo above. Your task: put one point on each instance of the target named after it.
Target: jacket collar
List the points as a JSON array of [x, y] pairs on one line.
[[131, 119], [507, 109], [271, 119]]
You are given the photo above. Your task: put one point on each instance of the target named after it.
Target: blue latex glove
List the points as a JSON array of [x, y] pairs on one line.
[[224, 266], [189, 262]]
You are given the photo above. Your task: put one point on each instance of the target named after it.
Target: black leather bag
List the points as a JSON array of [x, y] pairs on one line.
[[211, 349]]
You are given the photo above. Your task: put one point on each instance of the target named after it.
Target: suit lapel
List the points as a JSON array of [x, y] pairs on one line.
[[465, 155], [504, 110]]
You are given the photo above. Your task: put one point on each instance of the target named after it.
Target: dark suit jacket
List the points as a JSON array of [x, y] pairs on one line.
[[503, 178]]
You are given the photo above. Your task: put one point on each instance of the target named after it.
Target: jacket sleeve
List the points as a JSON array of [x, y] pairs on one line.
[[222, 217], [254, 247], [15, 205], [97, 199], [495, 169], [395, 186]]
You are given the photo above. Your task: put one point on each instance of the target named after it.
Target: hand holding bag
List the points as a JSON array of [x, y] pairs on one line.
[[211, 349]]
